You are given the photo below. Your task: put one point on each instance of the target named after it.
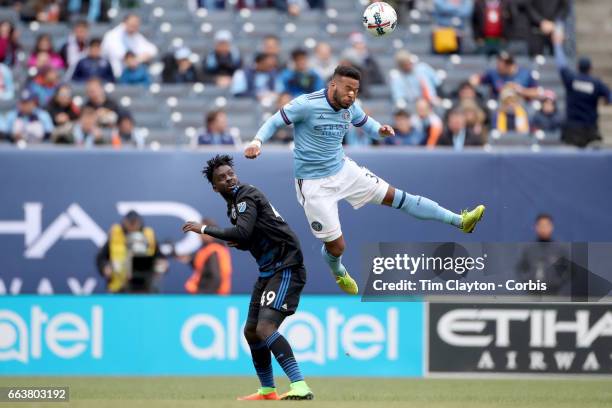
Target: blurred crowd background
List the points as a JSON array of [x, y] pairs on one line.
[[456, 73]]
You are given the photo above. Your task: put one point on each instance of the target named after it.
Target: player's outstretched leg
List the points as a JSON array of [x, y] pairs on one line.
[[262, 360], [425, 209], [333, 257], [267, 328]]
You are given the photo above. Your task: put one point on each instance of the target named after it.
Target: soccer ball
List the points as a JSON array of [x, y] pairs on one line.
[[379, 19]]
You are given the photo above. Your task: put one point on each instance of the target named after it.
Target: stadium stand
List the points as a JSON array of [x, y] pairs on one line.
[[171, 113]]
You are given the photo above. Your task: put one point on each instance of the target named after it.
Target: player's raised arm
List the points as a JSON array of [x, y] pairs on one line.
[[370, 125], [239, 234], [291, 113]]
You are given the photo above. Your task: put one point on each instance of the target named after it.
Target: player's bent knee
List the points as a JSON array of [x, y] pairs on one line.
[[265, 329], [250, 333], [335, 247]]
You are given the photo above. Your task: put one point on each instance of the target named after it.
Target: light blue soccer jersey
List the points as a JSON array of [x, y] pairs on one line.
[[318, 132]]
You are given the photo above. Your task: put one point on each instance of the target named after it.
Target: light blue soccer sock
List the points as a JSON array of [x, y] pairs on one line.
[[334, 262], [424, 209]]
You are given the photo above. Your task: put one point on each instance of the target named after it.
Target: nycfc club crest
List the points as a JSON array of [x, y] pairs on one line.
[[346, 115], [316, 225]]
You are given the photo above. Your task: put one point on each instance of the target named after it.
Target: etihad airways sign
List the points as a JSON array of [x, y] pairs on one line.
[[522, 338]]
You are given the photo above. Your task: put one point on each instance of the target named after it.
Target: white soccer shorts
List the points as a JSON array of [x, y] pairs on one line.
[[319, 197]]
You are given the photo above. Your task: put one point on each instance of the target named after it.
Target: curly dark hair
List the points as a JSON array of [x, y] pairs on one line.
[[217, 161]]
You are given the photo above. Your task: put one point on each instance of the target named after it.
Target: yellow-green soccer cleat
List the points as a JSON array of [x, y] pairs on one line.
[[469, 219], [347, 284], [299, 391]]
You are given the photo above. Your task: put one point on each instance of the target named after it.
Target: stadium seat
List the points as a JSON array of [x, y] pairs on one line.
[[511, 139], [150, 120]]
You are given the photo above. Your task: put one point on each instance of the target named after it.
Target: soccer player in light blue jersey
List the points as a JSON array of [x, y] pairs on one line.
[[324, 175]]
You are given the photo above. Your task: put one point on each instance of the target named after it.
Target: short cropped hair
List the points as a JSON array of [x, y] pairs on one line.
[[347, 71]]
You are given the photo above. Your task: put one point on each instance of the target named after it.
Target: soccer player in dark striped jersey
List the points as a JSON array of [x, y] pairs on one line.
[[259, 229]]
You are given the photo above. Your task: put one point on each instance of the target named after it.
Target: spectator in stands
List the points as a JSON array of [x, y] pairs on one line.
[[546, 17], [44, 11], [64, 113], [452, 13], [212, 266], [127, 241], [412, 80], [86, 131], [75, 48], [284, 134], [127, 37], [7, 86], [467, 92], [450, 18], [299, 79], [93, 65], [258, 81], [583, 93], [9, 43], [490, 24], [127, 133], [221, 63], [62, 107], [359, 56], [475, 118], [95, 10], [185, 71], [216, 131], [44, 55], [427, 122], [511, 116], [28, 122], [271, 45], [547, 119], [45, 84], [457, 134], [134, 72], [63, 134], [107, 110], [178, 68], [324, 63], [546, 261], [508, 72], [406, 133]]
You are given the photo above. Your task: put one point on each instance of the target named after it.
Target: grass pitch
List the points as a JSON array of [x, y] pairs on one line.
[[153, 392]]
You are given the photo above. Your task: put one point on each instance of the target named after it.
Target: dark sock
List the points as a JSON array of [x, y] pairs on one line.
[[263, 363], [284, 356]]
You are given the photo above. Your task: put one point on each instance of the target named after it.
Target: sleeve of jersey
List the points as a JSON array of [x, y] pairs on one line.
[[287, 115], [245, 222], [370, 125]]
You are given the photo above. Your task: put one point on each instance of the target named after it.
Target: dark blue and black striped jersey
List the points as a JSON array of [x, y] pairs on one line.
[[259, 229]]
